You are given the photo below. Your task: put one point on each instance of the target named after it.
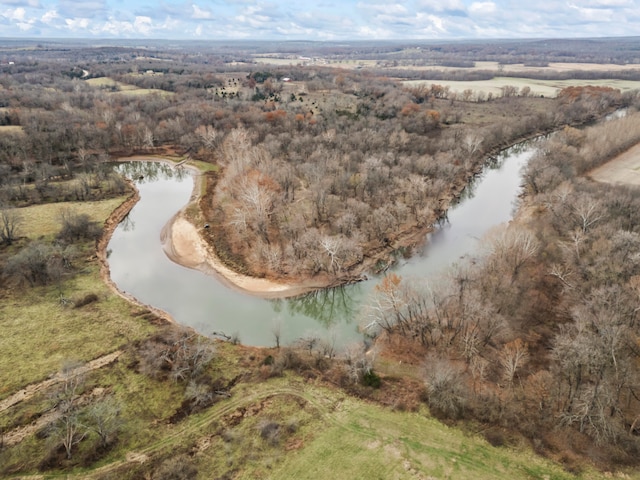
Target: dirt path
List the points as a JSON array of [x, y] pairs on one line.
[[31, 390], [624, 169], [16, 435]]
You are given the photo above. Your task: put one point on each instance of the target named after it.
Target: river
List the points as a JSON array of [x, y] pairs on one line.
[[140, 267]]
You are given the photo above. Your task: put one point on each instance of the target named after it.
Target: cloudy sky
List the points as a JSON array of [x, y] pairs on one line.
[[319, 20]]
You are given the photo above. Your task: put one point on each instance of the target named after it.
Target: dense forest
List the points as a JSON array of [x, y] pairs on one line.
[[327, 173]]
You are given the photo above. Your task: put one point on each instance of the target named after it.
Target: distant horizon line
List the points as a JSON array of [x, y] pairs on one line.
[[308, 40]]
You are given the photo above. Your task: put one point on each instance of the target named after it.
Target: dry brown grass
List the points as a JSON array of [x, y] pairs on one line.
[[624, 169]]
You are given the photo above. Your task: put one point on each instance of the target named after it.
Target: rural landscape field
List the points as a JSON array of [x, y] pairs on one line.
[[286, 260]]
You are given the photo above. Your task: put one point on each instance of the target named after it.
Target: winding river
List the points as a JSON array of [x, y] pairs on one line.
[[140, 267]]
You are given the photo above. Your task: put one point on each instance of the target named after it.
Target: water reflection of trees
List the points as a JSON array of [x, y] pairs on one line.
[[127, 224], [328, 306], [147, 172], [493, 163]]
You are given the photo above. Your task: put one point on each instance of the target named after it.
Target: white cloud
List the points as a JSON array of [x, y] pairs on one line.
[[609, 3], [442, 5], [328, 19], [16, 14], [384, 8], [482, 8], [113, 27], [199, 13], [142, 25], [49, 16], [378, 33], [292, 28], [76, 24], [436, 22], [252, 18], [593, 14]]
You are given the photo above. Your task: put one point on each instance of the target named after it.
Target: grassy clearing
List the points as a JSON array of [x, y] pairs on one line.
[[621, 170], [371, 442], [557, 67], [44, 220], [106, 82], [203, 166], [521, 68], [123, 88], [144, 404], [39, 333], [11, 129]]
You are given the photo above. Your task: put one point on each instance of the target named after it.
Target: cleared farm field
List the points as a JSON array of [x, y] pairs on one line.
[[558, 67], [123, 88], [624, 169], [10, 129], [547, 88]]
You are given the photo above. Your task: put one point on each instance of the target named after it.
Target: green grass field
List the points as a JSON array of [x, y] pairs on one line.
[[44, 220]]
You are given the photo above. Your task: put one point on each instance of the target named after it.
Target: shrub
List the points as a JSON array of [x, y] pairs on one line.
[[176, 468], [445, 390], [86, 300], [40, 263], [75, 227], [371, 379]]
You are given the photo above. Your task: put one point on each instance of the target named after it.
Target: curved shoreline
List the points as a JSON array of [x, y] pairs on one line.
[[183, 244], [110, 225]]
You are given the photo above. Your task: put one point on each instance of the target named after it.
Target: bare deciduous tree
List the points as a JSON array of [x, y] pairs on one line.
[[512, 357], [445, 388], [10, 220], [68, 428], [104, 419]]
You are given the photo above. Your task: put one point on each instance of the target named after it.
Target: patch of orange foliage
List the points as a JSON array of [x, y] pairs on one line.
[[263, 180], [410, 109], [389, 283], [275, 115], [433, 115], [572, 94]]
